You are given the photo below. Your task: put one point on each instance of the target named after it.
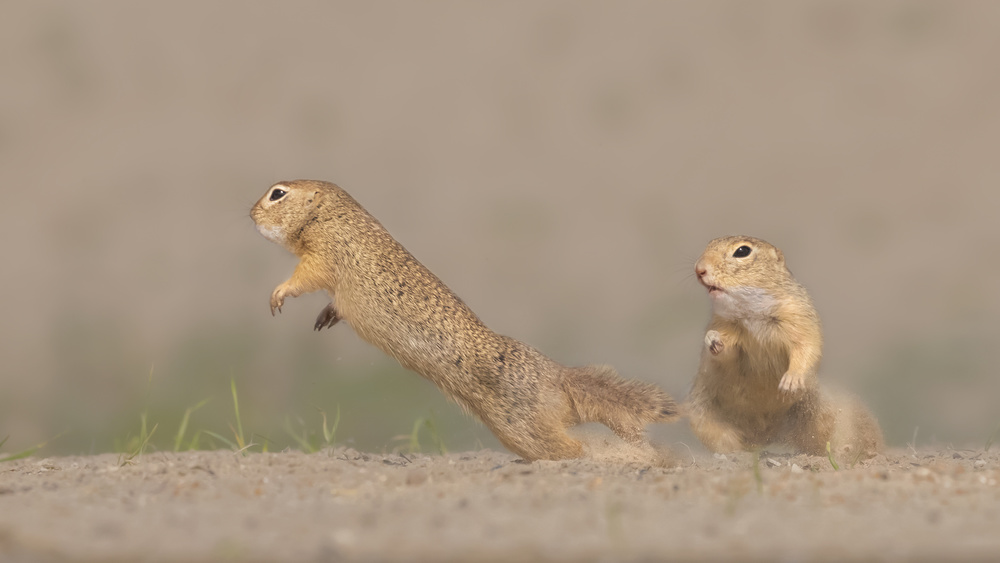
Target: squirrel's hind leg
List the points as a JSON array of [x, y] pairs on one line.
[[551, 444], [717, 435]]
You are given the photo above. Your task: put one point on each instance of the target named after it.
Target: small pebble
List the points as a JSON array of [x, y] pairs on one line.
[[796, 468], [773, 462], [979, 464]]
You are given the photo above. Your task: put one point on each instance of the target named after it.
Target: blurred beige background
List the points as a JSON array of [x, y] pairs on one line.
[[559, 164]]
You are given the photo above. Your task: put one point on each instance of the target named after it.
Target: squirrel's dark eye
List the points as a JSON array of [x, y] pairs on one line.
[[277, 194], [741, 252]]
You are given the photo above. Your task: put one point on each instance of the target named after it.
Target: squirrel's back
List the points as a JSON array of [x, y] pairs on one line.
[[393, 301]]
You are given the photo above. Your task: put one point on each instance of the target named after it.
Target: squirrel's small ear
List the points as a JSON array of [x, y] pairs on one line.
[[778, 254]]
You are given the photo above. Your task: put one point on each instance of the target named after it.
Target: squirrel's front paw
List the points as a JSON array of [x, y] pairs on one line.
[[278, 298], [714, 343], [792, 382], [327, 317]]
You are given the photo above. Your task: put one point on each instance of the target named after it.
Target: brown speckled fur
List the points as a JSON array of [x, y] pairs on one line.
[[391, 300], [757, 383]]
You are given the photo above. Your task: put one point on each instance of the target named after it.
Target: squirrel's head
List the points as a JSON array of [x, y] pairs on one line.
[[741, 274], [287, 209]]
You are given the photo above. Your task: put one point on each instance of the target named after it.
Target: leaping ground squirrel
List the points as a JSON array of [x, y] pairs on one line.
[[757, 381], [394, 302]]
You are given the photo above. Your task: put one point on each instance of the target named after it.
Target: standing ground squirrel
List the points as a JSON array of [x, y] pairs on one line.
[[757, 381], [394, 302]]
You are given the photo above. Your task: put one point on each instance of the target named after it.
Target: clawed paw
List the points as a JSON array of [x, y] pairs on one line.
[[278, 298], [792, 382], [714, 343], [276, 302], [327, 318]]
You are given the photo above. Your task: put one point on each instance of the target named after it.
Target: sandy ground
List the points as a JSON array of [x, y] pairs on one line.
[[344, 505]]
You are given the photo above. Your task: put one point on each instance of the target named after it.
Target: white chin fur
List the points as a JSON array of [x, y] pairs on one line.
[[273, 234], [743, 303]]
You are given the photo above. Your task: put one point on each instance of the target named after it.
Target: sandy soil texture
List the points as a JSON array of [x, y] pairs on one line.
[[344, 505]]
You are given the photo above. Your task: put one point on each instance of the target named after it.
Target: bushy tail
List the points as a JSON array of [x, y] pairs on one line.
[[599, 394]]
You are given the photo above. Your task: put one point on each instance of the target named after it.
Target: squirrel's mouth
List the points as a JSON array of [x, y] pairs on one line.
[[712, 289]]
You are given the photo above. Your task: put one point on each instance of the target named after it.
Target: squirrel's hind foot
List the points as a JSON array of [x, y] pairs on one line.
[[327, 317]]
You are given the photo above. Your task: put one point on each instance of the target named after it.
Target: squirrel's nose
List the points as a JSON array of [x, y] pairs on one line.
[[700, 271]]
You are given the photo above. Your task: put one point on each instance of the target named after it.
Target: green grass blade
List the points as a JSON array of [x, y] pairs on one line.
[[143, 435], [222, 439], [179, 438], [415, 435], [435, 435], [329, 433], [144, 438], [195, 442], [756, 472], [182, 430], [264, 446], [829, 455], [236, 407], [19, 455], [302, 440], [30, 451]]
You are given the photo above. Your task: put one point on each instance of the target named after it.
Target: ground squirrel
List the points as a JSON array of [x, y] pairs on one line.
[[757, 381], [391, 300]]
